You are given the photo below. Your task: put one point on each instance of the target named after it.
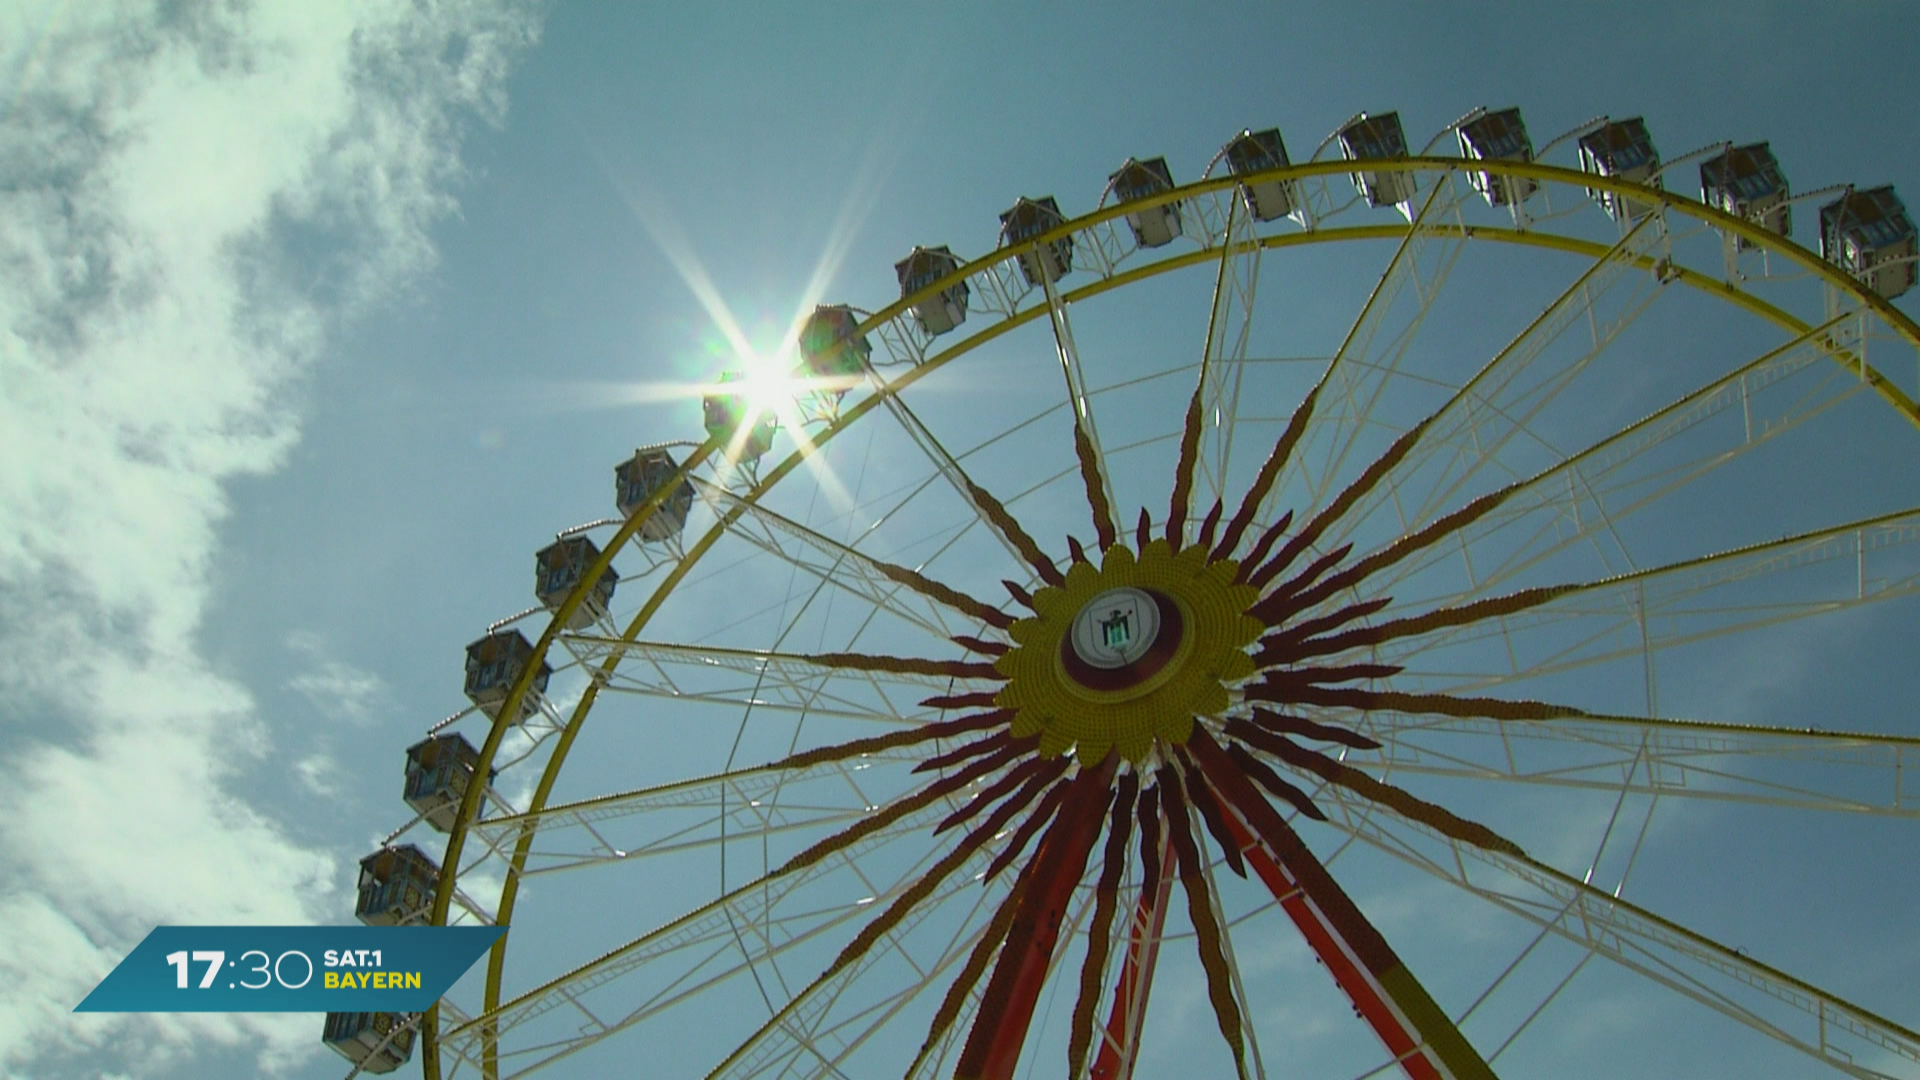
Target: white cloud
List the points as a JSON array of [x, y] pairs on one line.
[[335, 688], [320, 774], [191, 198]]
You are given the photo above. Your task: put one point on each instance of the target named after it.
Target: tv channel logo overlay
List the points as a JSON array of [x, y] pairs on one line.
[[291, 969]]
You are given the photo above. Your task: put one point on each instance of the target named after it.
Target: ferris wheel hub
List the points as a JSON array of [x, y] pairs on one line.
[[1128, 652]]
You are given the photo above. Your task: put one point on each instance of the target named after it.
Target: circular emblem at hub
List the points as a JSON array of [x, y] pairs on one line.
[[1116, 628], [1127, 653]]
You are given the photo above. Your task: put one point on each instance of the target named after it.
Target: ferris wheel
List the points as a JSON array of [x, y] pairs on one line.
[[1342, 581]]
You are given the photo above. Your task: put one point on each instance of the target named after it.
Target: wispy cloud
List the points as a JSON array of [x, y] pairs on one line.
[[191, 198], [336, 689]]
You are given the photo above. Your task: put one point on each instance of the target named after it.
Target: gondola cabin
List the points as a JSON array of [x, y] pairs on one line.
[[1378, 138], [945, 309], [638, 478], [378, 1042], [494, 664], [397, 885], [1140, 180], [439, 771], [1868, 234], [730, 417], [1027, 219], [834, 350], [1252, 152], [1623, 150], [1498, 136], [1746, 182], [559, 568]]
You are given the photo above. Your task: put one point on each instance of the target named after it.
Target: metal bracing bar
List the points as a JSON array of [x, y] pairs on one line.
[[1221, 366], [1834, 771], [948, 468], [1591, 491], [796, 1030], [803, 1023], [877, 1016], [711, 791], [1488, 424], [812, 701], [472, 907], [1249, 1030], [1357, 377], [1478, 418], [902, 340], [768, 679], [1796, 1013], [1116, 1049], [1078, 395], [1684, 602], [703, 942], [744, 805], [1204, 220], [833, 562]]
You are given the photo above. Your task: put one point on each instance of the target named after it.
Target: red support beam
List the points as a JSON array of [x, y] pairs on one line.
[[1121, 1046], [1414, 1029], [1000, 1028]]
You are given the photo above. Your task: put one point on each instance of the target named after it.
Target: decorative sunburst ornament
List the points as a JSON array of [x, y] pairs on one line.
[[1153, 695], [1129, 652]]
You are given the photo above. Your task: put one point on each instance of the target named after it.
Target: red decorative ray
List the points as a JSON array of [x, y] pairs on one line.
[[1099, 931], [1006, 1009], [1096, 491], [1206, 930], [1183, 474], [1263, 481]]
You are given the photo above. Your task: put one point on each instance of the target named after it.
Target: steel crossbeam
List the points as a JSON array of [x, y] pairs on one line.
[[1222, 368], [765, 680], [1796, 1013], [749, 926], [1845, 566], [1803, 769], [1356, 380], [748, 805], [949, 470], [832, 562], [1079, 397], [1496, 403], [1581, 499], [809, 1038]]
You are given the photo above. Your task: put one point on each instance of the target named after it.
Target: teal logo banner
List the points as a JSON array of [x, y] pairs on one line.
[[291, 969]]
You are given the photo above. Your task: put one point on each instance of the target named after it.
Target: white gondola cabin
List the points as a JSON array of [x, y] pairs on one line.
[[1623, 150], [945, 309], [1378, 138], [377, 1042], [440, 768], [1027, 219], [638, 478], [1746, 182], [1138, 180], [1253, 152], [558, 569], [1868, 234], [729, 417], [834, 350], [1498, 136], [494, 664], [397, 886]]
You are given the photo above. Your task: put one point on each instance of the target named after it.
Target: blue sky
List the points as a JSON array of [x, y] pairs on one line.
[[320, 319]]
